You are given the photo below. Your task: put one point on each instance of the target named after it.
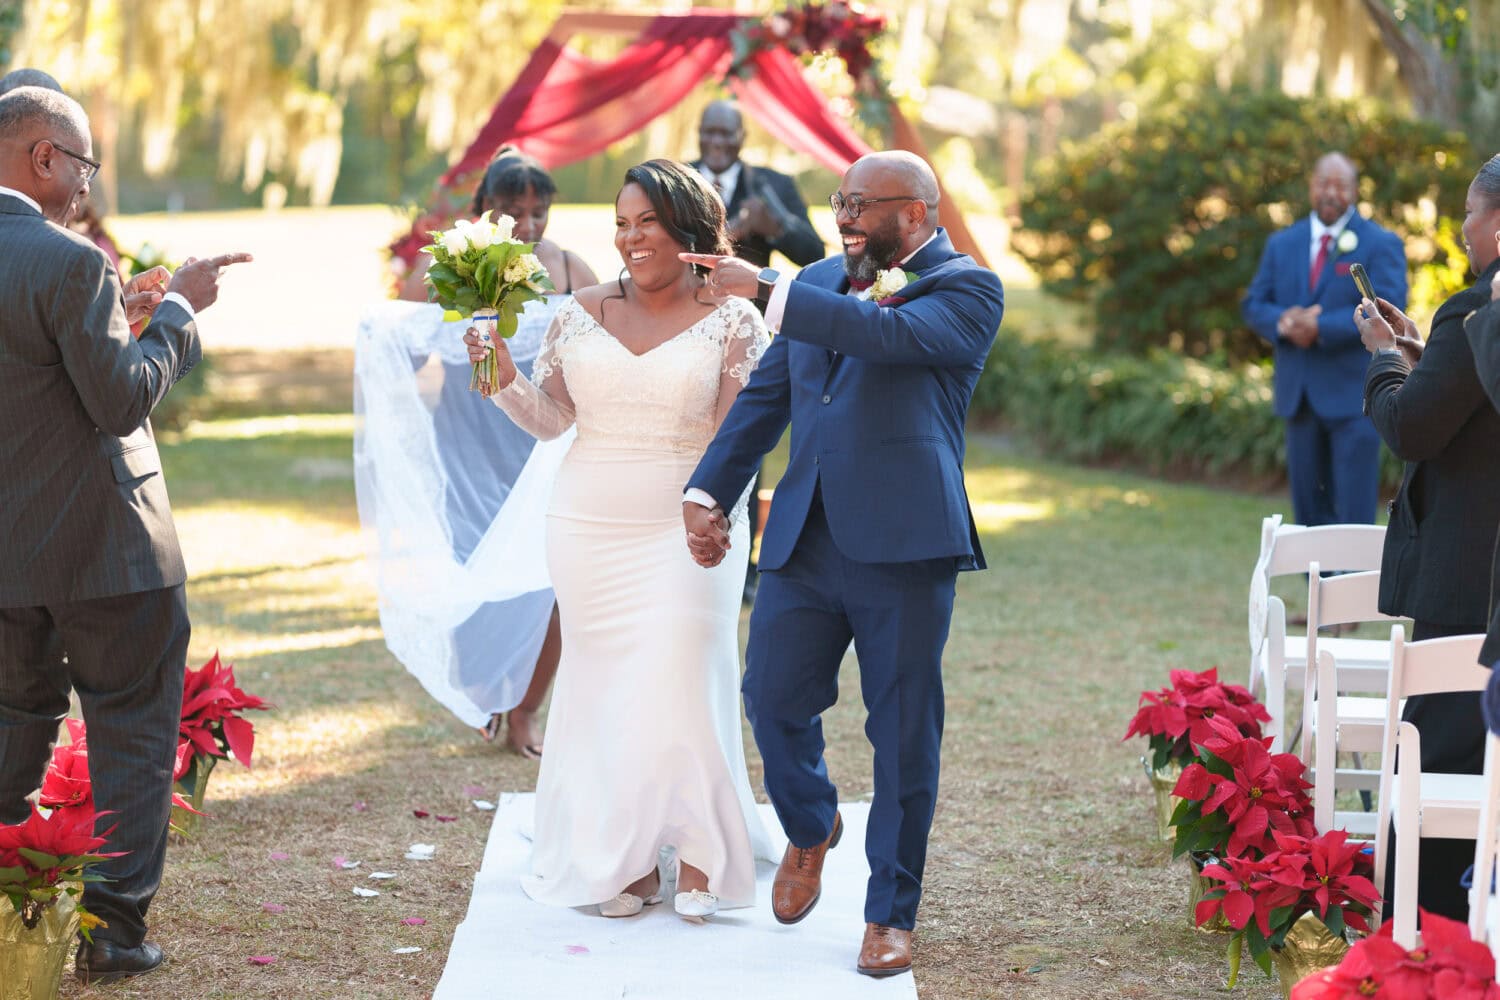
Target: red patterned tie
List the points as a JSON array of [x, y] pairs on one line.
[[1319, 262]]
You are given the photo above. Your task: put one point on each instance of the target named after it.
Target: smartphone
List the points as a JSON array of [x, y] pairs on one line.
[[1362, 281]]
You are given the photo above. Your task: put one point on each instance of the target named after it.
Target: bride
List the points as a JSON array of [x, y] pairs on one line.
[[644, 747]]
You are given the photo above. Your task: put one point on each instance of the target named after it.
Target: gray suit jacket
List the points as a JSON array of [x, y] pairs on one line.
[[83, 509]]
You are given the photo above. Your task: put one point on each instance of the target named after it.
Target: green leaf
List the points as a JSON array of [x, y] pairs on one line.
[[38, 858], [506, 324]]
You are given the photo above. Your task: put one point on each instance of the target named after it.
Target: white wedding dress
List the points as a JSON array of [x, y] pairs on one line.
[[644, 745]]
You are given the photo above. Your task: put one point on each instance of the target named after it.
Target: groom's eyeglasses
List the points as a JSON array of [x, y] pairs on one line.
[[853, 205], [92, 165]]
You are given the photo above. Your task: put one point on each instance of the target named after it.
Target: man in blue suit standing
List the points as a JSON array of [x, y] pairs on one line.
[[875, 363], [1302, 300]]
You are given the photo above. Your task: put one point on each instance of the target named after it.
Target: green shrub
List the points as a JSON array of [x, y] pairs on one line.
[[186, 401], [1160, 412], [1160, 223]]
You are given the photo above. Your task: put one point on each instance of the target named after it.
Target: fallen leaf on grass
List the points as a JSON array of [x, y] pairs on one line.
[[261, 959]]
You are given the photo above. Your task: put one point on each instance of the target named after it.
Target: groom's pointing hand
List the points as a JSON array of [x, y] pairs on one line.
[[707, 533], [726, 275]]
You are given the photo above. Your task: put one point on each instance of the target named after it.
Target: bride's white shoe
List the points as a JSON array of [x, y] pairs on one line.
[[695, 905], [628, 904]]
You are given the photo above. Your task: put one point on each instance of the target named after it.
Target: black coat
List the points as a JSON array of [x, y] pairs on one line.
[[1483, 328], [798, 240], [1438, 564]]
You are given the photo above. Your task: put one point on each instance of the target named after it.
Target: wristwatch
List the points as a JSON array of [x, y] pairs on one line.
[[765, 282]]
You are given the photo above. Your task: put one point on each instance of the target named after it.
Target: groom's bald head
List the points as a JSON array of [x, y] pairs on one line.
[[899, 210]]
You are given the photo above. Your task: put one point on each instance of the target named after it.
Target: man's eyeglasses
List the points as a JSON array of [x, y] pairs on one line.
[[854, 204], [93, 165]]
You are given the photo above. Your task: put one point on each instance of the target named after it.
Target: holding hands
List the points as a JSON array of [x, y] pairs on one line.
[[707, 533], [142, 295], [505, 368], [1299, 324], [1383, 326]]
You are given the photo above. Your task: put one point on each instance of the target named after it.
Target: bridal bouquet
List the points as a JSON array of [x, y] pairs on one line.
[[479, 270]]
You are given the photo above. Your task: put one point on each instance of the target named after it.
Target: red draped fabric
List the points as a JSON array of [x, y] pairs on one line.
[[564, 107]]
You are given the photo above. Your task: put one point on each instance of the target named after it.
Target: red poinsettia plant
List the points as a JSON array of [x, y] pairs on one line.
[[211, 707], [67, 783], [1449, 965], [46, 858], [1176, 718], [1263, 898], [213, 728], [1237, 795]]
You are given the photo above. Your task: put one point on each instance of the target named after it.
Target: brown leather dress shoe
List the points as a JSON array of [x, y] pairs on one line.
[[799, 880], [886, 951]]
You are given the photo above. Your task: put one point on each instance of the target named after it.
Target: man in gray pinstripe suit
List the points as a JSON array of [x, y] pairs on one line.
[[91, 578]]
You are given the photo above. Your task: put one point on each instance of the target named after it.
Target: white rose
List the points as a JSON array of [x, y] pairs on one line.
[[480, 234], [521, 268], [888, 283], [455, 242], [505, 228], [1347, 241]]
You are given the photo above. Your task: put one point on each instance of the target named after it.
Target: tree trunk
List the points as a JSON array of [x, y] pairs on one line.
[[1429, 77]]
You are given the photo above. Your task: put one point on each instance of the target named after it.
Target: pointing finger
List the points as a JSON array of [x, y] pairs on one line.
[[704, 259], [225, 259]]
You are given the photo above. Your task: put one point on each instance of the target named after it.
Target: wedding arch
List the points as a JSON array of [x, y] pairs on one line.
[[564, 107]]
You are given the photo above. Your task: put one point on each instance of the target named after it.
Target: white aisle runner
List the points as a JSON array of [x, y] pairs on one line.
[[509, 946]]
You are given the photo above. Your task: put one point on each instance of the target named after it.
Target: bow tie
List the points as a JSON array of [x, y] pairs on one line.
[[860, 284]]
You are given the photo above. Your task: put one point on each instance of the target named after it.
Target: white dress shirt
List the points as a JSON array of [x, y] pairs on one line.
[[724, 183], [1334, 231]]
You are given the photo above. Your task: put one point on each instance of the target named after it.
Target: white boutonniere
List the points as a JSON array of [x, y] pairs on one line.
[[889, 282], [1347, 241]]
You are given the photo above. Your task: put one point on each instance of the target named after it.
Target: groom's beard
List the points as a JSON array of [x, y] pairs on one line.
[[882, 245]]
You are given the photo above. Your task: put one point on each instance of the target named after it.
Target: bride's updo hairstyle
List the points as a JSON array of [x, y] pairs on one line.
[[684, 204], [510, 175]]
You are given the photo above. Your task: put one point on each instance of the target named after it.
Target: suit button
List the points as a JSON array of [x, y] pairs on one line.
[[827, 399]]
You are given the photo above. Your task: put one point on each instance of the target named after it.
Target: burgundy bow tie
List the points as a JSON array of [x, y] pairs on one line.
[[860, 284]]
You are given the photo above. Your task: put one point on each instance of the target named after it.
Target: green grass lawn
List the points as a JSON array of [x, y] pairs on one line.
[[1044, 879]]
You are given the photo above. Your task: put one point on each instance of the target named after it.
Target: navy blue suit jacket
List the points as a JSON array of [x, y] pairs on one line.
[[876, 397], [1330, 374]]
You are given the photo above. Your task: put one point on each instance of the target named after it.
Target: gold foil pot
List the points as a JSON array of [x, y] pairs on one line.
[[1309, 947], [1200, 888], [32, 958], [1163, 780]]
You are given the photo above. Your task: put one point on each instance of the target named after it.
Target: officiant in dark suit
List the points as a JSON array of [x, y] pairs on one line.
[[764, 212], [91, 577]]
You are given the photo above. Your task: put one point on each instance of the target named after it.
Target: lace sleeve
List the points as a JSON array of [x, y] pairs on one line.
[[541, 406], [745, 340]]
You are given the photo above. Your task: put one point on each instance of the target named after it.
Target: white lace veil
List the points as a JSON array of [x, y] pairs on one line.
[[453, 499]]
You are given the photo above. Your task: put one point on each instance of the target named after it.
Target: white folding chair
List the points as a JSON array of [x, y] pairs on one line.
[[1484, 907], [1421, 803], [1277, 659], [1335, 718]]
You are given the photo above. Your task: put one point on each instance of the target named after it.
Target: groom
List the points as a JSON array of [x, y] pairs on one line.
[[869, 527]]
